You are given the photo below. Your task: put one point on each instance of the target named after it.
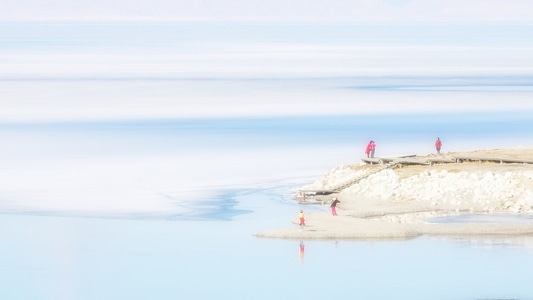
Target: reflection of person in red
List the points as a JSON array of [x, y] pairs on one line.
[[370, 149], [438, 145], [302, 249]]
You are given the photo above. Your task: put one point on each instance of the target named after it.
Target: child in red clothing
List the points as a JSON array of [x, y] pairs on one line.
[[301, 217]]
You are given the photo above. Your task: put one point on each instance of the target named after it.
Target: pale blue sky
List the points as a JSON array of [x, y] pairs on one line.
[[286, 10]]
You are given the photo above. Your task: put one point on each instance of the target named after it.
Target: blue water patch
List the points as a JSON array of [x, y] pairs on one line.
[[184, 33], [316, 124], [494, 130], [223, 208], [466, 84], [484, 218]]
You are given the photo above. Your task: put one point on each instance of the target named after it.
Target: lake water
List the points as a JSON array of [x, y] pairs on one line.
[[139, 159]]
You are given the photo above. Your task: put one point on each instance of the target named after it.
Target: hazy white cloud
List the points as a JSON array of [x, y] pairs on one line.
[[293, 10]]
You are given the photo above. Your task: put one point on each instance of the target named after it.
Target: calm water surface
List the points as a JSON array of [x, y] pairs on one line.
[[72, 258]]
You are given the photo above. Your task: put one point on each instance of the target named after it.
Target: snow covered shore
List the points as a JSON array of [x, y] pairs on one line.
[[399, 202]]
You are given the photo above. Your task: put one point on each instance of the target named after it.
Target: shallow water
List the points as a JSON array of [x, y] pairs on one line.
[[482, 218], [73, 258], [51, 257]]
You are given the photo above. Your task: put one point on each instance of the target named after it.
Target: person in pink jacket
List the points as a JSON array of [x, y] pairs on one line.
[[370, 149], [438, 145], [333, 206]]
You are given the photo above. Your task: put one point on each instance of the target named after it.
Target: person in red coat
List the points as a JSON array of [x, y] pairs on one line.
[[370, 149], [438, 145]]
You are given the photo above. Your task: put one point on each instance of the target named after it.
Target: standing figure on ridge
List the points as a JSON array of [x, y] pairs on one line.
[[438, 145], [370, 149]]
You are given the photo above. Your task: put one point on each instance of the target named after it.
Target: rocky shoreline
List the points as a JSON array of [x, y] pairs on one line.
[[398, 203]]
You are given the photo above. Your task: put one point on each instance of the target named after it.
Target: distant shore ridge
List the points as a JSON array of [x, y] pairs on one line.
[[489, 181]]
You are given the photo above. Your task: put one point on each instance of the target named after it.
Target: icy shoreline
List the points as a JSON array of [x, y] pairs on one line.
[[396, 202], [486, 191]]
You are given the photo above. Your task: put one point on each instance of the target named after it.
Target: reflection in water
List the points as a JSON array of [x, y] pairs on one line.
[[495, 242], [301, 251]]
